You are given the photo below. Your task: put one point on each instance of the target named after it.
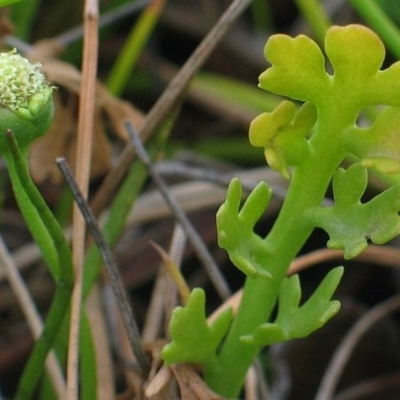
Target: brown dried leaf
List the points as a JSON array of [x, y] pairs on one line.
[[192, 387], [45, 49], [44, 150], [119, 111], [61, 138]]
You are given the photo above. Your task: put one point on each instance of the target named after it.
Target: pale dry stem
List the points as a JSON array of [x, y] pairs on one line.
[[82, 171], [163, 298]]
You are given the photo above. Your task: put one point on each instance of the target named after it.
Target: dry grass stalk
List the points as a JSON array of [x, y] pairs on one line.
[[82, 171], [31, 314]]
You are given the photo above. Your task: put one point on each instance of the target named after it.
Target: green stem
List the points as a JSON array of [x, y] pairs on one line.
[[51, 240], [289, 233], [87, 360], [34, 368]]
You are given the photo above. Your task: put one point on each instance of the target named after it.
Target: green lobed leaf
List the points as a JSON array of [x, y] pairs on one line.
[[193, 339], [379, 145], [235, 228], [350, 223], [356, 54], [292, 74], [298, 71], [282, 134], [385, 87], [294, 321]]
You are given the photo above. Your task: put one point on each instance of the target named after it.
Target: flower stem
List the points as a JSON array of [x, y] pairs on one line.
[[56, 252]]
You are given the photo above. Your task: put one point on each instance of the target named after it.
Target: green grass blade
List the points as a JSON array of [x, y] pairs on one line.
[[316, 17], [137, 39]]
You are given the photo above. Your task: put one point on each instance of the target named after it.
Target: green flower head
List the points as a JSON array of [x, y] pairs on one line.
[[26, 105]]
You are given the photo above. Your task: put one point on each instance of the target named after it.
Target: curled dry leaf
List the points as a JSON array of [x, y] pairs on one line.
[[191, 385], [55, 143], [61, 139]]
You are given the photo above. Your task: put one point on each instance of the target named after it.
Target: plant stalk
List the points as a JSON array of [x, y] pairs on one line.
[[307, 189], [55, 249]]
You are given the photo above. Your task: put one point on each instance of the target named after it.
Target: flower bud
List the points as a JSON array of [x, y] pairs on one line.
[[26, 104]]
